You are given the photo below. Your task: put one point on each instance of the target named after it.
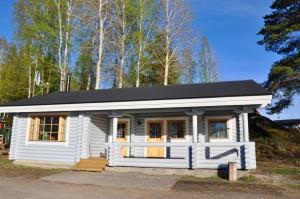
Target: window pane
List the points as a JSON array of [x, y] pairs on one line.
[[48, 120], [180, 133], [54, 137], [214, 134], [47, 128], [155, 130], [218, 129], [176, 129], [121, 132], [54, 128], [55, 120]]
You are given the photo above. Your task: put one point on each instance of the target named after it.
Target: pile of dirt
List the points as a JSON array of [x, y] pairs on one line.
[[274, 142]]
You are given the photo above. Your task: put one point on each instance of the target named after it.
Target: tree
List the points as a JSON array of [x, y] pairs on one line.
[[153, 70], [146, 19], [3, 49], [175, 17], [188, 67], [13, 75], [281, 35], [84, 73], [97, 16], [207, 62]]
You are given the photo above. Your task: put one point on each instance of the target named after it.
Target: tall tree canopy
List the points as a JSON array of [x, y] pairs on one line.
[[103, 43], [281, 34]]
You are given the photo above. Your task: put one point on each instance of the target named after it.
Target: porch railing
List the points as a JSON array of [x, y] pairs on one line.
[[184, 155]]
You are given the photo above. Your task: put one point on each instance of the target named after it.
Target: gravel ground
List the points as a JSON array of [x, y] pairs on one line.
[[114, 179], [30, 188]]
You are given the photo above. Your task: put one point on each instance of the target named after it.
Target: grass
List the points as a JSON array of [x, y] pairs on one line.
[[294, 186], [247, 179], [199, 179], [291, 172], [7, 168]]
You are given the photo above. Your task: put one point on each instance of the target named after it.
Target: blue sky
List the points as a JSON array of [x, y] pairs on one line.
[[231, 28]]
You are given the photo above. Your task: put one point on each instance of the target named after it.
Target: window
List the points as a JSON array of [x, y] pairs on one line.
[[47, 128], [176, 129], [122, 130], [155, 129], [218, 129]]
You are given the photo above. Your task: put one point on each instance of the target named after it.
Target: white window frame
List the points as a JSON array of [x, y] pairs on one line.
[[229, 128], [51, 143]]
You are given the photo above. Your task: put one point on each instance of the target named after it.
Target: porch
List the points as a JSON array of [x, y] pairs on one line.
[[170, 138]]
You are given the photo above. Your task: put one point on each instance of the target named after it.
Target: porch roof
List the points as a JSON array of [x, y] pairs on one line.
[[203, 90]]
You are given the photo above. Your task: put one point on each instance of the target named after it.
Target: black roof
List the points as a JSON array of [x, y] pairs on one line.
[[188, 91], [287, 122]]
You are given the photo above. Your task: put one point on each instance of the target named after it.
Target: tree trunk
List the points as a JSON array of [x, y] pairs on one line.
[[167, 59], [123, 37], [29, 82], [88, 82], [137, 83], [101, 19], [62, 80], [67, 42]]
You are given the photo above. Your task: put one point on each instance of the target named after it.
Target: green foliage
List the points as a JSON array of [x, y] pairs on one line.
[[281, 35], [13, 75], [84, 73], [38, 46]]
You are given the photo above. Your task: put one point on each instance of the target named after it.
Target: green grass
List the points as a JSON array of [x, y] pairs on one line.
[[250, 178], [7, 164], [292, 172], [294, 186]]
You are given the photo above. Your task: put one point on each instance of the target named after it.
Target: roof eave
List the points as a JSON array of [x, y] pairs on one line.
[[259, 100]]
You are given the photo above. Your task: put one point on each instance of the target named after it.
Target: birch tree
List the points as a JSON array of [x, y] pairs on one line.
[[98, 17], [146, 20], [65, 16], [175, 17], [121, 33]]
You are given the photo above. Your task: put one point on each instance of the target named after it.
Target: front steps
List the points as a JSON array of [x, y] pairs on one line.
[[91, 164]]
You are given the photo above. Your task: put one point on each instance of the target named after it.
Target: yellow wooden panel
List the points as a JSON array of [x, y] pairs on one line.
[[155, 152]]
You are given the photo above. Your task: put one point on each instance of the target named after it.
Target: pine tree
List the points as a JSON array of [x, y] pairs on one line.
[[281, 35]]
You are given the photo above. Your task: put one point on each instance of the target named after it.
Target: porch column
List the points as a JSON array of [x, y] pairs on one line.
[[114, 129], [195, 128], [245, 127]]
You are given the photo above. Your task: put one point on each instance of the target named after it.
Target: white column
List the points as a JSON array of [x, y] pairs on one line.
[[195, 128], [114, 129], [245, 127]]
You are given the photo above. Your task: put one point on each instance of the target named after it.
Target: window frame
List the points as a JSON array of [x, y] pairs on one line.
[[228, 120], [184, 130], [31, 118]]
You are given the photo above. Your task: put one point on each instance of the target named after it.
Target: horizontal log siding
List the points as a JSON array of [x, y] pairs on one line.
[[99, 128], [13, 141], [45, 152]]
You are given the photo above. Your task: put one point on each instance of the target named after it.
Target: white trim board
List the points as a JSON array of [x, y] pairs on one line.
[[262, 101]]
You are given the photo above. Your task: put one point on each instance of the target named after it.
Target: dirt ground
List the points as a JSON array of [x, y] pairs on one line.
[[270, 180]]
